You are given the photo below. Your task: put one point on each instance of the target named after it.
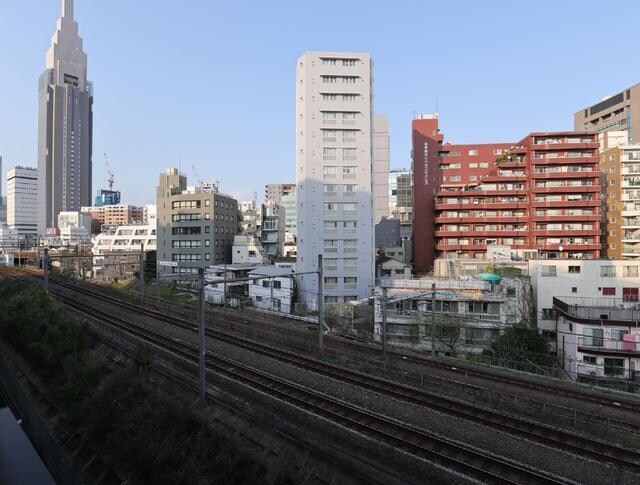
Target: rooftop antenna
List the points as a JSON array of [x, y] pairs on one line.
[[197, 177]]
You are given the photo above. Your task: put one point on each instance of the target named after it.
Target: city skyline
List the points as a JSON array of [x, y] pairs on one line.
[[409, 80]]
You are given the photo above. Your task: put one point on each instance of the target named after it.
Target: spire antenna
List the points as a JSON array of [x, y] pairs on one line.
[[67, 9]]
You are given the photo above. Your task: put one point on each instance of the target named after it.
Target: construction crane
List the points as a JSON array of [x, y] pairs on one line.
[[111, 178]]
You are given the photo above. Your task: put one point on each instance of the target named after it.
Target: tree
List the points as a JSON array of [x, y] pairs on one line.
[[522, 348], [449, 333]]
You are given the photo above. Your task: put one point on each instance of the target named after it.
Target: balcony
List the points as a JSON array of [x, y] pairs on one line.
[[567, 218], [567, 203], [600, 345], [566, 232], [567, 189], [565, 175]]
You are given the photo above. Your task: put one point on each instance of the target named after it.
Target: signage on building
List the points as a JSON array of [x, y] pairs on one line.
[[173, 264]]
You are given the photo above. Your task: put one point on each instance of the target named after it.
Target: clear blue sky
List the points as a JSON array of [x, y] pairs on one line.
[[213, 82]]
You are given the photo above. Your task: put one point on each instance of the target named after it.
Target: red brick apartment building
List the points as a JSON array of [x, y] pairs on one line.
[[540, 196]]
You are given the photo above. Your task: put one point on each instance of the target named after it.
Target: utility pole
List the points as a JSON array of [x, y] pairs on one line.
[[320, 305], [383, 304], [142, 272], [45, 268], [224, 289], [271, 286], [433, 319], [201, 342]]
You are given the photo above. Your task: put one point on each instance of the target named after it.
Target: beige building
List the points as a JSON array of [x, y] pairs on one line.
[[620, 112], [276, 192], [196, 225], [620, 165], [113, 215]]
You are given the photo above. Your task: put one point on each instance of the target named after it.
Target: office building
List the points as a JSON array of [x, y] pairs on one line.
[[401, 200], [196, 225], [539, 197], [107, 197], [65, 125], [276, 192], [74, 227], [22, 201], [334, 174], [113, 215], [620, 112], [381, 156]]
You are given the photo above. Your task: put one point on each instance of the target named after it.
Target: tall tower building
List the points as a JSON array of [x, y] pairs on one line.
[[334, 174], [65, 125], [3, 205], [22, 200]]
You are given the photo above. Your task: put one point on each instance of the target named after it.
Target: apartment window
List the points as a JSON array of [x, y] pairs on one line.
[[330, 243], [454, 178], [612, 182], [187, 244], [329, 135], [349, 97], [350, 280], [630, 295], [330, 225], [608, 291], [484, 165], [511, 292], [497, 151], [348, 116], [473, 178], [352, 225], [589, 359], [348, 62], [350, 188], [182, 231], [607, 271], [329, 79], [473, 153], [328, 97], [329, 62], [328, 115], [330, 207], [574, 289], [630, 271], [328, 153], [612, 232], [207, 243], [331, 280], [207, 257], [612, 245], [349, 207], [612, 220], [185, 204], [473, 165], [329, 170], [349, 170], [548, 270], [329, 188], [207, 203], [207, 229], [613, 367], [574, 269]]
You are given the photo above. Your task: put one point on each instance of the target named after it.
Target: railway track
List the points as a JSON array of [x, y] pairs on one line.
[[446, 453], [532, 430]]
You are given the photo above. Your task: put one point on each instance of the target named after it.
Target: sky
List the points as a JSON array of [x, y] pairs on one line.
[[211, 84]]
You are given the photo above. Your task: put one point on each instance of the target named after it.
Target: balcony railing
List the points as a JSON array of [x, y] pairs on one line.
[[602, 344]]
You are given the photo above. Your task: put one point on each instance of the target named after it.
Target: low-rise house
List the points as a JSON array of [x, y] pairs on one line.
[[469, 314], [599, 340], [277, 291]]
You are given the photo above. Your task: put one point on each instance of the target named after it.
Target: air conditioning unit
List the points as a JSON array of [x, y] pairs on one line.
[[638, 306]]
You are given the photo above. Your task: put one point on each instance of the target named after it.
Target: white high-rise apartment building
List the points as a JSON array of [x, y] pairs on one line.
[[334, 174], [22, 200], [381, 155]]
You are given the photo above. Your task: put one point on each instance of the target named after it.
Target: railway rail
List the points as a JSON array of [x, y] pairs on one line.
[[532, 430], [446, 453]]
